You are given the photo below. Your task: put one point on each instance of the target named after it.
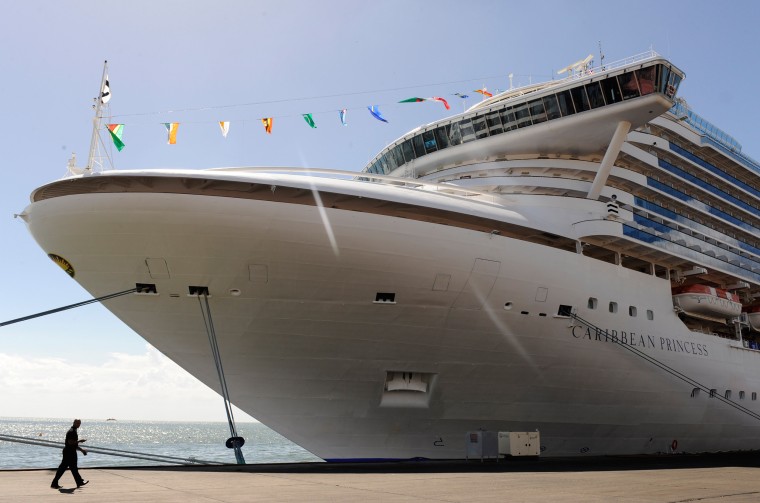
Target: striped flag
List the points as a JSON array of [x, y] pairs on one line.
[[171, 129], [116, 131], [375, 111], [268, 124], [484, 92], [225, 128], [342, 114]]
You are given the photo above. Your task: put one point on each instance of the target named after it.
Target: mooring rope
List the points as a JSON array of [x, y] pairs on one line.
[[670, 370], [160, 458], [71, 306], [234, 442]]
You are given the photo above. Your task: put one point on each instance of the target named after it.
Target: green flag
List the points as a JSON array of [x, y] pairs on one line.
[[309, 120], [116, 131]]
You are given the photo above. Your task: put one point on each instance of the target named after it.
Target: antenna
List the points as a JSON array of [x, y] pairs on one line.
[[601, 55], [510, 81], [103, 97]]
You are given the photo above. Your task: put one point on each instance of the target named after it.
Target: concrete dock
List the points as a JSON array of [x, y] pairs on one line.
[[724, 479]]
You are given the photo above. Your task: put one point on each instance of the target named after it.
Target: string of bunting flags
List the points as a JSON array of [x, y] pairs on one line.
[[117, 130]]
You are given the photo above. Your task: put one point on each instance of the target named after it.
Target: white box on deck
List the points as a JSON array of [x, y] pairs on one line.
[[482, 445], [519, 443]]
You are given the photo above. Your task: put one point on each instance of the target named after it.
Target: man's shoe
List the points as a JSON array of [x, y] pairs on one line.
[[55, 486], [84, 483]]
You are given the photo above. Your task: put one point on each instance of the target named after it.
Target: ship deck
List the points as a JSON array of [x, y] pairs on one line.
[[729, 478]]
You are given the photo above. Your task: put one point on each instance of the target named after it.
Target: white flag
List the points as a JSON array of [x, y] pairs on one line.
[[225, 128], [105, 94]]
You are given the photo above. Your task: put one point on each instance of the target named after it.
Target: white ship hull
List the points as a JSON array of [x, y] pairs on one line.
[[307, 350]]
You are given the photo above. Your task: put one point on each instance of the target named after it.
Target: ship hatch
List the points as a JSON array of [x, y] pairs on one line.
[[407, 389]]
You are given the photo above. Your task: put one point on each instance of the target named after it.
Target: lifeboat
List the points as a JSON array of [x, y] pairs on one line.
[[707, 302], [753, 316]]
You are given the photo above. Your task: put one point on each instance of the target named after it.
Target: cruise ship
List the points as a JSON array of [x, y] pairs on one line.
[[579, 257]]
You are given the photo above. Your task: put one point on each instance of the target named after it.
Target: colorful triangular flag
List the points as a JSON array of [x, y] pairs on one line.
[[116, 131], [225, 125], [268, 124], [412, 100], [375, 111], [463, 96], [309, 120], [171, 129], [445, 103], [342, 114], [484, 92]]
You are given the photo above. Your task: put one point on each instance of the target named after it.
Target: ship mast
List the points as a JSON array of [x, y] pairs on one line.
[[104, 95]]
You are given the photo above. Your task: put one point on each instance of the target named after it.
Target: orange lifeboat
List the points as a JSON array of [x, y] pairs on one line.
[[706, 301], [753, 316]]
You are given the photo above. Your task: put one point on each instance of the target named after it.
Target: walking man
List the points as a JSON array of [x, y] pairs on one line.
[[70, 457]]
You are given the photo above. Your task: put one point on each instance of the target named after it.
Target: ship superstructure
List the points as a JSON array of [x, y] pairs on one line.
[[579, 257]]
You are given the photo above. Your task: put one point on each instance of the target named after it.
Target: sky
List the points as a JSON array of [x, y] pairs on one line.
[[200, 62]]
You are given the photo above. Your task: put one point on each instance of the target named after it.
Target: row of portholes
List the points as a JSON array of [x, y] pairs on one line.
[[508, 307], [714, 392], [633, 311]]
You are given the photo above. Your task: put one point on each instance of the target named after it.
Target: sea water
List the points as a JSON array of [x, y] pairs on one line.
[[197, 440]]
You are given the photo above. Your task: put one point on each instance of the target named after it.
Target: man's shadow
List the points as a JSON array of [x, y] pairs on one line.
[[67, 491]]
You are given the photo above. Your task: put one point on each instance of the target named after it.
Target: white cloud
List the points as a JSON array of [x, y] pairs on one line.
[[145, 386]]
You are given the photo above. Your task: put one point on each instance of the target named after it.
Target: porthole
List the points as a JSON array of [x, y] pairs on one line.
[[632, 311], [508, 306], [650, 314], [741, 395], [754, 395], [613, 307], [592, 302]]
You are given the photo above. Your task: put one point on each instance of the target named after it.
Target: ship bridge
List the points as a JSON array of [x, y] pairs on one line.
[[576, 116]]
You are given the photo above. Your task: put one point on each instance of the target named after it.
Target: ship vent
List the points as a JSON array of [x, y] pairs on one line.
[[385, 298], [145, 289], [407, 389]]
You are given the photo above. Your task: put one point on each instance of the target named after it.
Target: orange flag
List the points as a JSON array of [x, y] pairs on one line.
[[171, 129], [268, 124]]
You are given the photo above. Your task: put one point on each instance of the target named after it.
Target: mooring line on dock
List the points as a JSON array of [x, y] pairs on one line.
[[159, 458], [70, 306]]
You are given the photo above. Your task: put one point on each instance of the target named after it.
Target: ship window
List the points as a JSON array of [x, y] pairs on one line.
[[595, 97], [398, 156], [508, 119], [727, 396], [419, 147], [673, 83], [442, 136], [592, 303], [664, 73], [741, 395], [613, 307], [632, 311], [479, 125], [695, 392], [455, 135], [611, 90], [408, 151], [384, 165], [565, 103], [754, 395], [522, 116], [650, 314], [428, 137], [713, 392], [390, 161], [646, 80], [552, 108], [537, 111], [468, 134], [494, 123], [628, 86], [580, 99], [565, 310]]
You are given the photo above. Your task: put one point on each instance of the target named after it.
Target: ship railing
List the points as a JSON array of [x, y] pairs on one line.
[[408, 183]]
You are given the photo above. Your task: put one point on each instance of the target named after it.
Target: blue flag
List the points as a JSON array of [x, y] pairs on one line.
[[343, 117], [376, 113]]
